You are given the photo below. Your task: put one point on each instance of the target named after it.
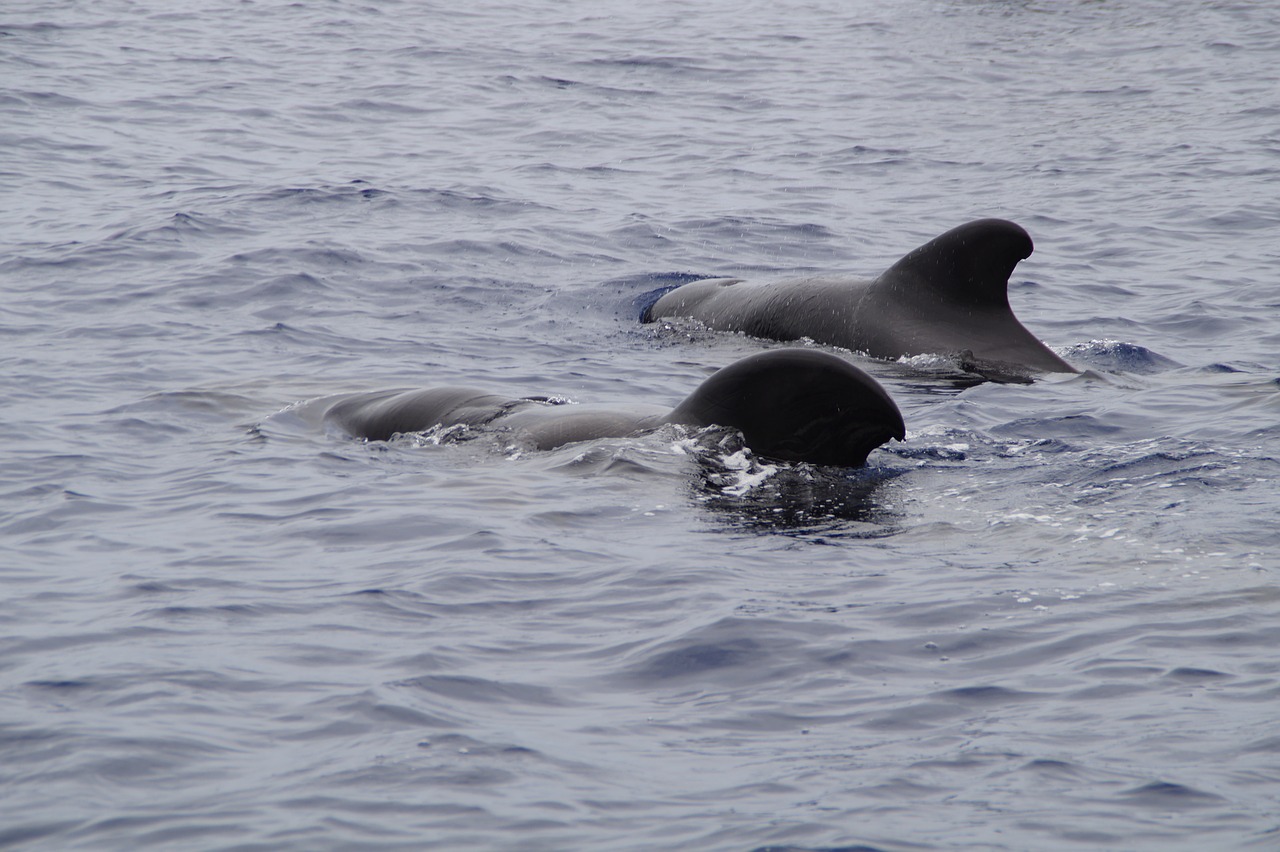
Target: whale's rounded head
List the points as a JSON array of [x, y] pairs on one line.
[[797, 405]]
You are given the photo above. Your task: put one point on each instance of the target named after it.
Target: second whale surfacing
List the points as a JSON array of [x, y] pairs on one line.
[[797, 405], [947, 297]]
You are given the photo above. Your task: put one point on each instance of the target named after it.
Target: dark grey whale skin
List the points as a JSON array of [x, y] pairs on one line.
[[949, 297], [800, 405]]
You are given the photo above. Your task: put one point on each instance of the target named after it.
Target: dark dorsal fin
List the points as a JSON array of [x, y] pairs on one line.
[[797, 405], [970, 264]]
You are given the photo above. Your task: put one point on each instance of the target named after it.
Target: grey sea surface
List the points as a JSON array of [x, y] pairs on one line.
[[1047, 620]]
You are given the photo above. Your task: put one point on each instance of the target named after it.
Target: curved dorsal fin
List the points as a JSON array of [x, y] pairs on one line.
[[797, 405], [970, 264]]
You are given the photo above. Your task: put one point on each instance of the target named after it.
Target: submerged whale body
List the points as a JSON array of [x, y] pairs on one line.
[[789, 404], [949, 296]]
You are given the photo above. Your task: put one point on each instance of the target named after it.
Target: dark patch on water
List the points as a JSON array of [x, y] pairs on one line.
[[857, 847], [1166, 794], [61, 685], [1188, 674], [986, 695], [698, 659]]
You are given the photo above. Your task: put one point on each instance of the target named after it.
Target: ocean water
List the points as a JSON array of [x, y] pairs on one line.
[[1047, 620]]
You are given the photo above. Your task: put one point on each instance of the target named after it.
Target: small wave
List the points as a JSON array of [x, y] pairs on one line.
[[1166, 794], [1115, 356], [356, 190], [482, 690], [953, 453], [179, 227], [733, 228], [698, 659]]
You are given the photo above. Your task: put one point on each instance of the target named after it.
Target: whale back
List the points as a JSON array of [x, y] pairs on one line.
[[950, 296], [378, 415], [797, 405]]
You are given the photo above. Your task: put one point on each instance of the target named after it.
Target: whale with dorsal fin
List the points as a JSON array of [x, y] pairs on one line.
[[947, 297], [800, 405]]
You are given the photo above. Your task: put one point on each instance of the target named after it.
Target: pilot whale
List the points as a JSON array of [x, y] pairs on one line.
[[800, 405], [947, 297]]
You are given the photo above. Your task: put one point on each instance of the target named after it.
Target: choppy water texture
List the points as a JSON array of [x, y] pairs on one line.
[[1048, 620]]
